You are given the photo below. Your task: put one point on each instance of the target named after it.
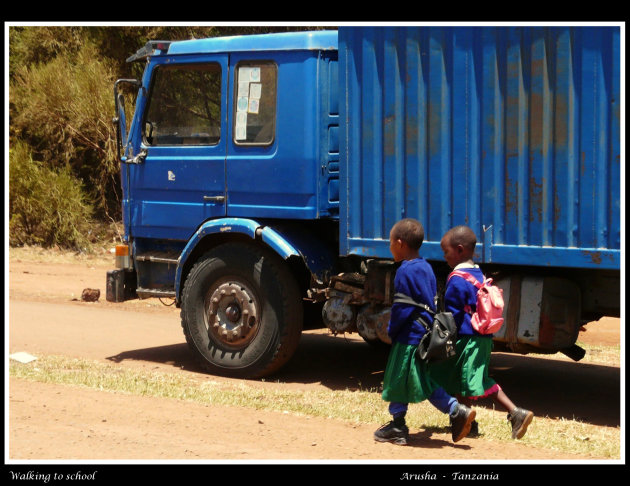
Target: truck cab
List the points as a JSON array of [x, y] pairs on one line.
[[212, 112], [232, 139]]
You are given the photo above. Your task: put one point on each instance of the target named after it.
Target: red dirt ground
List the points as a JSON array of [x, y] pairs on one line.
[[63, 423]]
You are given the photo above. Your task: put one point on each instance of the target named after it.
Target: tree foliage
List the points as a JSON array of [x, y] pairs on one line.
[[63, 109]]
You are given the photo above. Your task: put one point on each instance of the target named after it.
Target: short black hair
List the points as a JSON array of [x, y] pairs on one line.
[[410, 231], [462, 235]]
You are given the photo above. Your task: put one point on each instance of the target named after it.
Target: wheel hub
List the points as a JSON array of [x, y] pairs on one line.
[[233, 312], [232, 315]]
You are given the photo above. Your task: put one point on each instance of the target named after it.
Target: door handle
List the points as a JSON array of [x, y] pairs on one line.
[[214, 198]]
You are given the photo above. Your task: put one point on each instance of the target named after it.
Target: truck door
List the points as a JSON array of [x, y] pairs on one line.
[[270, 168], [180, 182]]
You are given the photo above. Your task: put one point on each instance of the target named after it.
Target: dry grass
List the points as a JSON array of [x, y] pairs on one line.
[[103, 238], [36, 254], [595, 354], [602, 355]]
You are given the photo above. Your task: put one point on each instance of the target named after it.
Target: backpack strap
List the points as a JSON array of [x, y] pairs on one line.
[[400, 298], [466, 276]]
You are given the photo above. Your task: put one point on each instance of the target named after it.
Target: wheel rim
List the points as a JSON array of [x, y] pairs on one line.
[[231, 314]]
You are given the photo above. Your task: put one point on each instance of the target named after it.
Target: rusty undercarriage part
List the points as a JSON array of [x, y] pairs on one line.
[[372, 323], [338, 315], [350, 308], [344, 294]]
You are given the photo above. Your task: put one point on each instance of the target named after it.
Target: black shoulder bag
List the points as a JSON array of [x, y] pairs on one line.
[[438, 343]]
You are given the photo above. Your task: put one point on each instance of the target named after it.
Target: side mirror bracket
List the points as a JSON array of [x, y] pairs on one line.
[[119, 119]]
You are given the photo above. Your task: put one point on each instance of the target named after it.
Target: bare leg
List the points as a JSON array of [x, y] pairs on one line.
[[502, 399]]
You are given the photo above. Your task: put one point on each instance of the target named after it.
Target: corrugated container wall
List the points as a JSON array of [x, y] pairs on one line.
[[513, 131]]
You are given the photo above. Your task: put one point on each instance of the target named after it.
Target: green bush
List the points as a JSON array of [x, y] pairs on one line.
[[63, 109], [47, 207]]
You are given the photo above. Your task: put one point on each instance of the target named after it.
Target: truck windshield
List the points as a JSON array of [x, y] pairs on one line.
[[184, 105]]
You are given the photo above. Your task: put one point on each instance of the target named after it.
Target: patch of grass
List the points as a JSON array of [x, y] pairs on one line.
[[562, 435], [595, 354], [36, 254], [365, 406], [602, 355]]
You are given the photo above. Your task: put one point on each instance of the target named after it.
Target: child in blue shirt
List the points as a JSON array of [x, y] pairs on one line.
[[407, 379], [467, 376]]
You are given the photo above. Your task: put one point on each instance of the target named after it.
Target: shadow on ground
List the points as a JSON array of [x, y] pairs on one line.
[[553, 388]]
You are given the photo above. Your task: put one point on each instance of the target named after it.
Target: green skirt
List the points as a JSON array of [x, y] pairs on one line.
[[467, 374], [407, 379]]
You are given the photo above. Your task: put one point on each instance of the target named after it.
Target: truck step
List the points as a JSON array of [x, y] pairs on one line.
[[169, 257], [148, 293]]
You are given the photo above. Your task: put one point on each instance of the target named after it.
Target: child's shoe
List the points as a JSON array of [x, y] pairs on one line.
[[391, 432], [520, 420], [474, 429], [461, 421]]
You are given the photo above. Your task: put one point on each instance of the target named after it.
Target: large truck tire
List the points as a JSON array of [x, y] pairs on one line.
[[241, 311]]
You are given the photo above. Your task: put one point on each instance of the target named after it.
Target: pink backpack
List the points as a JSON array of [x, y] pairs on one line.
[[488, 318]]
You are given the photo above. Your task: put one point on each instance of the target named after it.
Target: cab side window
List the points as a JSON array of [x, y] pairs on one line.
[[255, 103], [184, 105]]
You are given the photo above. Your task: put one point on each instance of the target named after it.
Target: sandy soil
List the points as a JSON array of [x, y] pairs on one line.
[[53, 422]]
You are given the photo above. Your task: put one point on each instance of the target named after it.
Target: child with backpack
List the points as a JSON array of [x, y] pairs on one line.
[[407, 379], [476, 306]]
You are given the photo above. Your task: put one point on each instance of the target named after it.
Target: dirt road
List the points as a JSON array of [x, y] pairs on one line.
[[53, 422]]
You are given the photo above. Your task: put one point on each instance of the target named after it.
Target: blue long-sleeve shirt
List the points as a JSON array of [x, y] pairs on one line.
[[414, 278], [460, 298]]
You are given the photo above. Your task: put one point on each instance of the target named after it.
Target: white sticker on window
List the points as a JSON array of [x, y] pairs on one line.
[[241, 118], [243, 89], [254, 74], [255, 90], [241, 104], [244, 74], [240, 132], [253, 106]]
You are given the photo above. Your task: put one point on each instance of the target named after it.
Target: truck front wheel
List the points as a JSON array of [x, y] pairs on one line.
[[241, 311]]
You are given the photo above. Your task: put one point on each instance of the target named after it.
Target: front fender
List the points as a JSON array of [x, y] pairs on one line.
[[254, 229]]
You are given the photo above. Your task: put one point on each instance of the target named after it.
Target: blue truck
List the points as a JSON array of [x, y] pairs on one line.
[[261, 176]]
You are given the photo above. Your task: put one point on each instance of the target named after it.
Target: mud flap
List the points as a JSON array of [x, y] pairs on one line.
[[120, 286]]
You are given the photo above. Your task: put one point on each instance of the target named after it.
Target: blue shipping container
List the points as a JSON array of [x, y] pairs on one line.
[[513, 131]]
